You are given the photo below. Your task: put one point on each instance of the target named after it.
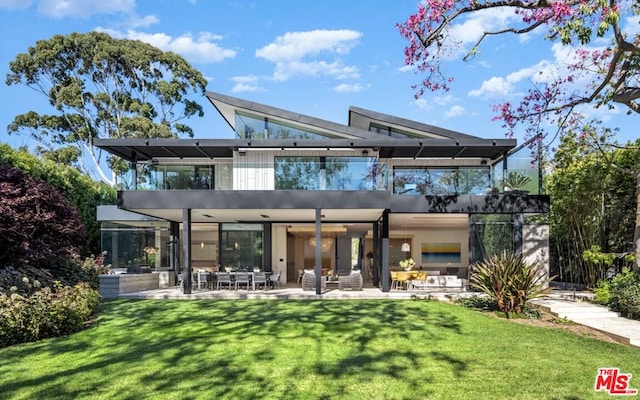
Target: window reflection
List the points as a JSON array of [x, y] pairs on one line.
[[251, 127], [329, 173], [433, 181]]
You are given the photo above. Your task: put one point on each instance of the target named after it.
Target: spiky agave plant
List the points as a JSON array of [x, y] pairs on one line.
[[509, 280]]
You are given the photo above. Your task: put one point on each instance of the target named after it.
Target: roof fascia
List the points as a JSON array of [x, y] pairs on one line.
[[406, 124], [227, 106]]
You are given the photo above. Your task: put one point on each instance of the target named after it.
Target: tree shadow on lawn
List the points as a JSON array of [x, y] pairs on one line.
[[204, 338]]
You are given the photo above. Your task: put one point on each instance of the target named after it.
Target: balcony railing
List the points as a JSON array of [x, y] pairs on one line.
[[295, 173]]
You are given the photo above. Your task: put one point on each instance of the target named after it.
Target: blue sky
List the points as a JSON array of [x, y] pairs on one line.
[[311, 57]]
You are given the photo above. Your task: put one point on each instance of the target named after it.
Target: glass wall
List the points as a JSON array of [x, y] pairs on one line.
[[329, 173], [250, 127], [388, 131], [216, 175], [242, 246], [490, 234], [132, 245], [520, 171], [453, 180]]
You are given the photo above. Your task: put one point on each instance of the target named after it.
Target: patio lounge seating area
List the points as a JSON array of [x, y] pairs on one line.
[[353, 281]]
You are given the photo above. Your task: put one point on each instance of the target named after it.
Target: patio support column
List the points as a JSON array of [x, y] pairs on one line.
[[318, 268], [375, 262], [174, 232], [385, 252], [133, 166], [186, 249], [472, 239], [518, 223]]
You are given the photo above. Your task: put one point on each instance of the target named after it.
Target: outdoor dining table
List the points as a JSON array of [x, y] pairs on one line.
[[253, 283]]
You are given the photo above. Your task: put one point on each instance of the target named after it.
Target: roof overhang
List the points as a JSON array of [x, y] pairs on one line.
[[148, 149]]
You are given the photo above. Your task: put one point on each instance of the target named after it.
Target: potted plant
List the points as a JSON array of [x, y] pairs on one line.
[[514, 182], [407, 264]]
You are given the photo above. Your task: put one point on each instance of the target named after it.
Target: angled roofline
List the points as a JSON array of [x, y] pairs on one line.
[[227, 105], [393, 121]]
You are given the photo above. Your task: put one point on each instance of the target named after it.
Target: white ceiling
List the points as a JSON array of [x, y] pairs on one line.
[[353, 219]]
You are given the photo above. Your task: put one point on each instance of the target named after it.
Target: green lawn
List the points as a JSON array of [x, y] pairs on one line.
[[356, 349]]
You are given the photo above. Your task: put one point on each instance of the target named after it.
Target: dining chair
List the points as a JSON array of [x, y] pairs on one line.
[[420, 281], [223, 278], [274, 279], [402, 279], [242, 278], [300, 273], [203, 279], [180, 281], [260, 278], [394, 279]]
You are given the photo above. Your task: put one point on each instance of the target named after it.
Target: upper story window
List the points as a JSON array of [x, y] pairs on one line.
[[389, 131], [252, 127], [329, 173], [448, 180]]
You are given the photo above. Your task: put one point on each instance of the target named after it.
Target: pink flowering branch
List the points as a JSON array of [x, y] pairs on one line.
[[613, 72]]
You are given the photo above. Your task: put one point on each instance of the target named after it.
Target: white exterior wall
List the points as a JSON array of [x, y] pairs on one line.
[[279, 253], [536, 245]]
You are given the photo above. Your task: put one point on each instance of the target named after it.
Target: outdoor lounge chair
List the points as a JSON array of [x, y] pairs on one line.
[[353, 281], [309, 280]]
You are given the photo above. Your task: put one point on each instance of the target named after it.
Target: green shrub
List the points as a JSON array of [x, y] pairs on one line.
[[602, 293], [45, 313], [479, 302], [625, 293], [509, 280]]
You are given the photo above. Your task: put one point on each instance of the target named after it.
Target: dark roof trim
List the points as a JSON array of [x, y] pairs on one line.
[[146, 149], [390, 120], [227, 105]]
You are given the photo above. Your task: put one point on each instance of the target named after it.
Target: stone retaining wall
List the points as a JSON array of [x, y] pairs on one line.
[[111, 286]]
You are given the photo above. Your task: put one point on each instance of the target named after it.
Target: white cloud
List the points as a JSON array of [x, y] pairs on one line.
[[247, 83], [301, 54], [201, 48], [346, 87], [455, 111], [284, 71], [467, 33], [407, 68], [421, 104], [142, 22], [502, 86], [297, 45], [443, 100], [84, 8], [15, 4]]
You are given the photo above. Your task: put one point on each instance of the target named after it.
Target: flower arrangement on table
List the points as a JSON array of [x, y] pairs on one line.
[[407, 264], [150, 255]]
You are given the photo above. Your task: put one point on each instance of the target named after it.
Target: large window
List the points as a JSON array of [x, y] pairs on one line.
[[490, 234], [453, 180], [242, 246], [329, 173], [251, 127], [132, 245]]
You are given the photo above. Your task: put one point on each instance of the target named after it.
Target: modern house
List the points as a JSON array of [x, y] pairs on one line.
[[292, 192]]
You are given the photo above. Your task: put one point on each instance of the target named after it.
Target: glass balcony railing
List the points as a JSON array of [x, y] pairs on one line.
[[517, 180], [329, 173]]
